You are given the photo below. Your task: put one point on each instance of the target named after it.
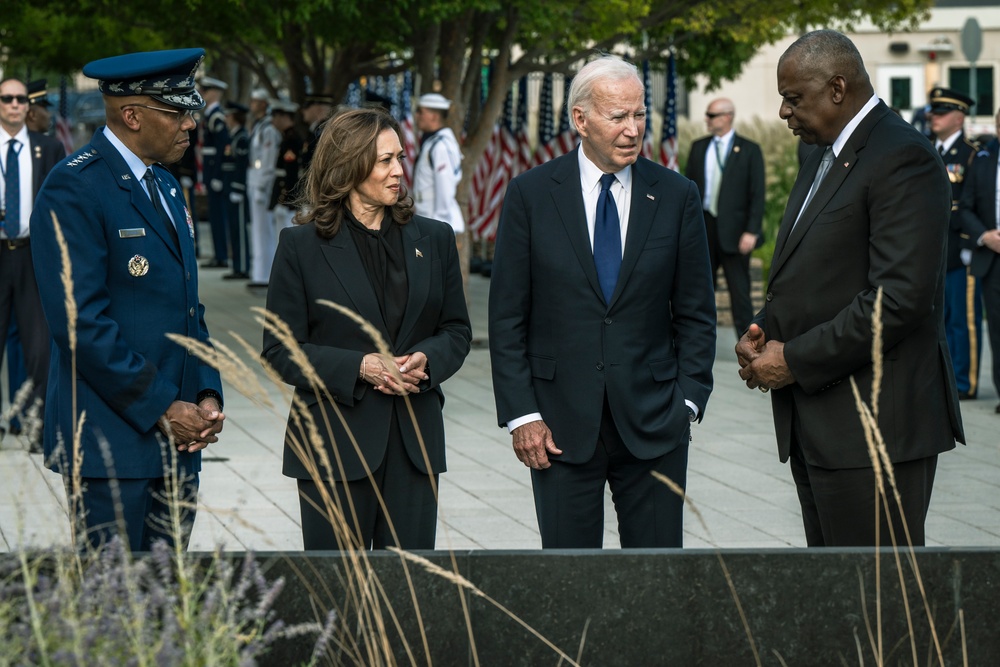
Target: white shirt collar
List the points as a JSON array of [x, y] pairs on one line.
[[135, 164], [848, 130], [590, 173], [950, 141], [21, 136]]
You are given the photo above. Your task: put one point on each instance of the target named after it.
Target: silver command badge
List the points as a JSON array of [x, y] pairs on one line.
[[138, 266]]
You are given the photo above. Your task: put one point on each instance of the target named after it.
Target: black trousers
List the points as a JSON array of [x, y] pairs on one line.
[[838, 506], [990, 284], [569, 498], [736, 268], [19, 294], [407, 494]]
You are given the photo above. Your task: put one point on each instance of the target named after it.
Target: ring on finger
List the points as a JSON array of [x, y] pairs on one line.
[[764, 390]]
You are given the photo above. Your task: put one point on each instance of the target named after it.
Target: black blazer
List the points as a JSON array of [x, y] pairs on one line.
[[556, 347], [46, 152], [308, 269], [741, 193], [879, 219], [977, 208]]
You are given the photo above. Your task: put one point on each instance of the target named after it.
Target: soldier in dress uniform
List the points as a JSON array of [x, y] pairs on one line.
[[39, 118], [150, 406], [963, 310], [236, 185], [264, 143], [215, 148], [316, 111], [286, 172]]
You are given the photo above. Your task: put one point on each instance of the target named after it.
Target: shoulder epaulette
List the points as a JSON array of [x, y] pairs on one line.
[[81, 158]]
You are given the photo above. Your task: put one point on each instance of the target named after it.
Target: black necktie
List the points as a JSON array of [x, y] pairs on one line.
[[607, 239], [12, 186], [154, 196]]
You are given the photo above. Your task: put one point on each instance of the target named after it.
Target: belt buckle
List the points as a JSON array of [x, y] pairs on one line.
[[10, 244]]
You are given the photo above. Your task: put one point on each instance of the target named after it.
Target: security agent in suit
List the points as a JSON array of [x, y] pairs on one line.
[[729, 172], [150, 406], [235, 168], [980, 220], [602, 323], [963, 310], [877, 219], [26, 158], [215, 150]]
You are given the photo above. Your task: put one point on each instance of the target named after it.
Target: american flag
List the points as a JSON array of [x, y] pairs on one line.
[[525, 159], [546, 133], [647, 139], [565, 141], [63, 131], [493, 174], [406, 125], [354, 94], [668, 141]]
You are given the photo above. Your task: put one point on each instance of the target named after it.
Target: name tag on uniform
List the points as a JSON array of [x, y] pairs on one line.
[[131, 233]]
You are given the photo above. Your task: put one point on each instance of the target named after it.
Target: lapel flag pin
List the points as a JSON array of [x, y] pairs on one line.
[[419, 254], [650, 197]]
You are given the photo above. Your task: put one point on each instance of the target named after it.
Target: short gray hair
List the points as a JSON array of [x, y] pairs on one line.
[[581, 91]]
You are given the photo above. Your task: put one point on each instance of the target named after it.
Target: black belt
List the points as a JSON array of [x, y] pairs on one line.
[[14, 244]]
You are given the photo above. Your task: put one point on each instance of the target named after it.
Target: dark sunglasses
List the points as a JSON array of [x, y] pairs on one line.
[[716, 115], [7, 99]]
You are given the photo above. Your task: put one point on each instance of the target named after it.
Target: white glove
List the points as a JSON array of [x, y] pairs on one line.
[[216, 184], [236, 197], [186, 182]]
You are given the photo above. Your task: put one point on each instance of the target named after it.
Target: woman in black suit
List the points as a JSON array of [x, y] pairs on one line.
[[368, 478]]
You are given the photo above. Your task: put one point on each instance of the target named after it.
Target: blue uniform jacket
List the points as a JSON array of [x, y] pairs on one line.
[[127, 371], [215, 145]]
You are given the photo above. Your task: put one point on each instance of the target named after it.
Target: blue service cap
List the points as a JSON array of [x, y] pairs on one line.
[[165, 76], [236, 107]]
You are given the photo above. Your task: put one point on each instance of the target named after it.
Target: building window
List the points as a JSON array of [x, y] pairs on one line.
[[959, 80], [899, 90]]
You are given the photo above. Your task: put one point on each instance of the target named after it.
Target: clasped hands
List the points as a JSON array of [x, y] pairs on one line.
[[410, 371], [193, 427], [762, 362]]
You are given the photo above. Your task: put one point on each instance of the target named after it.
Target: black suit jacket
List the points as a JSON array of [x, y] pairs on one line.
[[879, 219], [556, 347], [741, 193], [308, 269], [46, 152], [977, 208]]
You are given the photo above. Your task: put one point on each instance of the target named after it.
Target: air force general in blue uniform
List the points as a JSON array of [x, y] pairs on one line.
[[134, 280]]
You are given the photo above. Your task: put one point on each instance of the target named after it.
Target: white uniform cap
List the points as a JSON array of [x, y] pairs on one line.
[[260, 94], [207, 82], [433, 101], [283, 105]]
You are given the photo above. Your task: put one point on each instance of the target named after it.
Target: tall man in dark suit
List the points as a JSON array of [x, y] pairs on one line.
[[729, 172], [979, 217], [150, 406], [602, 323], [869, 210], [26, 157], [963, 309]]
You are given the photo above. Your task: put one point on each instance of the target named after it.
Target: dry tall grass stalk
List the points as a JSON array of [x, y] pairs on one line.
[[878, 453], [677, 489]]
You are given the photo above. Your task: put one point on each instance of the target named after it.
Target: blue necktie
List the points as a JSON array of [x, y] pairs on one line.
[[12, 186], [154, 196], [607, 239]]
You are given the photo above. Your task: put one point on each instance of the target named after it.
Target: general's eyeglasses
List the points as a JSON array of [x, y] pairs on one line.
[[7, 99], [181, 115]]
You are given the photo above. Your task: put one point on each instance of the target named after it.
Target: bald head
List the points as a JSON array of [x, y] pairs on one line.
[[823, 84], [719, 116]]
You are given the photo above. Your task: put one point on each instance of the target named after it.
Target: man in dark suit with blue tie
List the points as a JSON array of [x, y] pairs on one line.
[[729, 172], [979, 219], [869, 210], [602, 323], [149, 405]]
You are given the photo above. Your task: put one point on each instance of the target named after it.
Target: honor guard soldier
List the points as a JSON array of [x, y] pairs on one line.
[[315, 112], [963, 311], [264, 143], [39, 117], [286, 172], [214, 150], [236, 185], [439, 167], [123, 223]]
